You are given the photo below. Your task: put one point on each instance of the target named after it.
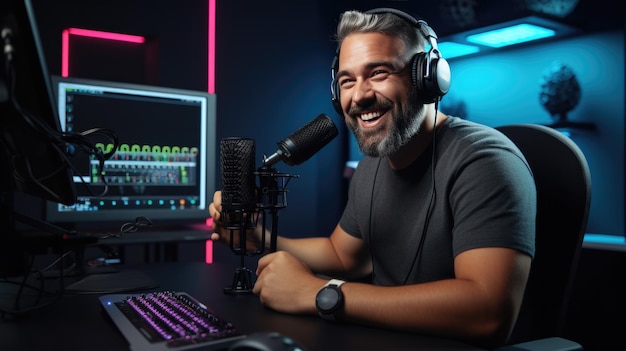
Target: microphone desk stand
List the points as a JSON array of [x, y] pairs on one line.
[[272, 196]]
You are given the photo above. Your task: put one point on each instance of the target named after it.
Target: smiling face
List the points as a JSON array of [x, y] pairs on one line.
[[376, 92]]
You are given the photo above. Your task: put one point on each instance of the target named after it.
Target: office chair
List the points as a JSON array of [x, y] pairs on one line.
[[563, 184]]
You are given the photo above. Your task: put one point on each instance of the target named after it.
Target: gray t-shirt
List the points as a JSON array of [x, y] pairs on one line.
[[484, 197]]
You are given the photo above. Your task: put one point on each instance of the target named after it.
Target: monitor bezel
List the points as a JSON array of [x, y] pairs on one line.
[[166, 217]]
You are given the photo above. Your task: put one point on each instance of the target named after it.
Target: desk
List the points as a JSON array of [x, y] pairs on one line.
[[152, 240], [157, 245], [77, 322]]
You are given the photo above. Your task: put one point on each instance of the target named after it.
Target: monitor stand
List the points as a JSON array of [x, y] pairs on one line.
[[75, 266], [104, 279], [116, 282]]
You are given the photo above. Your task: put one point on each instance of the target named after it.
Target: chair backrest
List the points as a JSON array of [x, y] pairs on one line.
[[563, 185]]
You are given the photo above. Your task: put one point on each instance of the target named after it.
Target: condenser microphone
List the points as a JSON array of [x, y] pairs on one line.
[[304, 142], [238, 181]]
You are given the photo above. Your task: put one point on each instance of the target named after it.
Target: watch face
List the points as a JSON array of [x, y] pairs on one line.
[[328, 299]]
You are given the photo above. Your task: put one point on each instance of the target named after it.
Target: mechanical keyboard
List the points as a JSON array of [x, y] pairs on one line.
[[168, 321]]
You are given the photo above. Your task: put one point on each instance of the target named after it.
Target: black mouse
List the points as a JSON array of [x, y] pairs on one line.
[[266, 341]]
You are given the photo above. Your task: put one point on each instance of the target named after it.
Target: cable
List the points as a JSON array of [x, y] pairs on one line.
[[129, 227], [371, 218], [433, 195], [428, 211], [6, 314], [63, 143]]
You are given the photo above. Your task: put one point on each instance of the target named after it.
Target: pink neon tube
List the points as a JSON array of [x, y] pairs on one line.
[[65, 43], [211, 58]]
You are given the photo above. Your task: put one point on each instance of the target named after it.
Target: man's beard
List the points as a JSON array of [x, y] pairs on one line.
[[405, 125]]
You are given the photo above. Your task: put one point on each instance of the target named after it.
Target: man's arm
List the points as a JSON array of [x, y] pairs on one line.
[[479, 305], [339, 255]]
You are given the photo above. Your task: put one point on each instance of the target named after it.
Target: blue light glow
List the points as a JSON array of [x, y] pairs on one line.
[[605, 239], [450, 49], [515, 34]]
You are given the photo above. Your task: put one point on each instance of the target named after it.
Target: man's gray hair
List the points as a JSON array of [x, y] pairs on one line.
[[386, 23]]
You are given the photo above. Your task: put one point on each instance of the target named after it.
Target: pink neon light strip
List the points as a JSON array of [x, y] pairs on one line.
[[208, 259], [65, 53], [211, 68], [208, 248], [107, 35], [65, 42]]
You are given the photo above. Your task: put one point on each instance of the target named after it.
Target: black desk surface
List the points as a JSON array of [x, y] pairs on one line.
[[77, 322]]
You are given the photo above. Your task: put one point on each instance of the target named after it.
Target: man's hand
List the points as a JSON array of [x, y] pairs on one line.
[[215, 211], [287, 285], [221, 234]]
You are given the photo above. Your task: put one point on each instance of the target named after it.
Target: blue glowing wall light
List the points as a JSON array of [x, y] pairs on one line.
[[516, 34], [497, 36]]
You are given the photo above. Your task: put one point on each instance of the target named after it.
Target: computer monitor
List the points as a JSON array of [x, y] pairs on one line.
[[165, 166], [33, 161]]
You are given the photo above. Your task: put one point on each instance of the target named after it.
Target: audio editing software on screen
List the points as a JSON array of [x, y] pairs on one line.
[[159, 162]]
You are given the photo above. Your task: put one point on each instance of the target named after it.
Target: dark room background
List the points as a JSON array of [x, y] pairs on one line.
[[272, 75]]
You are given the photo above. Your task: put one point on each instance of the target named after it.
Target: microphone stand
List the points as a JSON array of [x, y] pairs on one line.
[[272, 196], [242, 281]]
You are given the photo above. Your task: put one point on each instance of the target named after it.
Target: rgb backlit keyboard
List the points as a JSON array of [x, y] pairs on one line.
[[168, 321]]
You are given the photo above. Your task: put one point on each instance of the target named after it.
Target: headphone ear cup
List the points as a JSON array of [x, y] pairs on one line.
[[424, 87], [335, 97]]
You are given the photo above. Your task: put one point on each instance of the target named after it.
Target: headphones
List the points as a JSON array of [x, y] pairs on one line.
[[430, 73]]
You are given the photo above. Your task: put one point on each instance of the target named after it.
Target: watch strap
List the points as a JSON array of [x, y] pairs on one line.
[[337, 282]]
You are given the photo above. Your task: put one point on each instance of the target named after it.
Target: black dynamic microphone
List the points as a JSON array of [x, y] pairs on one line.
[[238, 182], [304, 142]]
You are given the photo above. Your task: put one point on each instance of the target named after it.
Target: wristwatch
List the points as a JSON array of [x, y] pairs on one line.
[[329, 299]]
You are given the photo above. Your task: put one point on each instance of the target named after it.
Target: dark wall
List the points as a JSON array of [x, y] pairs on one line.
[[273, 75], [176, 33]]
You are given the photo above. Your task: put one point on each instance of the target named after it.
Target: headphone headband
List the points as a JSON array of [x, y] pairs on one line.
[[382, 10]]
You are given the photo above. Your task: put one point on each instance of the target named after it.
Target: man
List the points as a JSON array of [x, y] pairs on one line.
[[441, 211]]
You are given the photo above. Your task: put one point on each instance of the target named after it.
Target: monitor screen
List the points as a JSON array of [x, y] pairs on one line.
[[164, 166]]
